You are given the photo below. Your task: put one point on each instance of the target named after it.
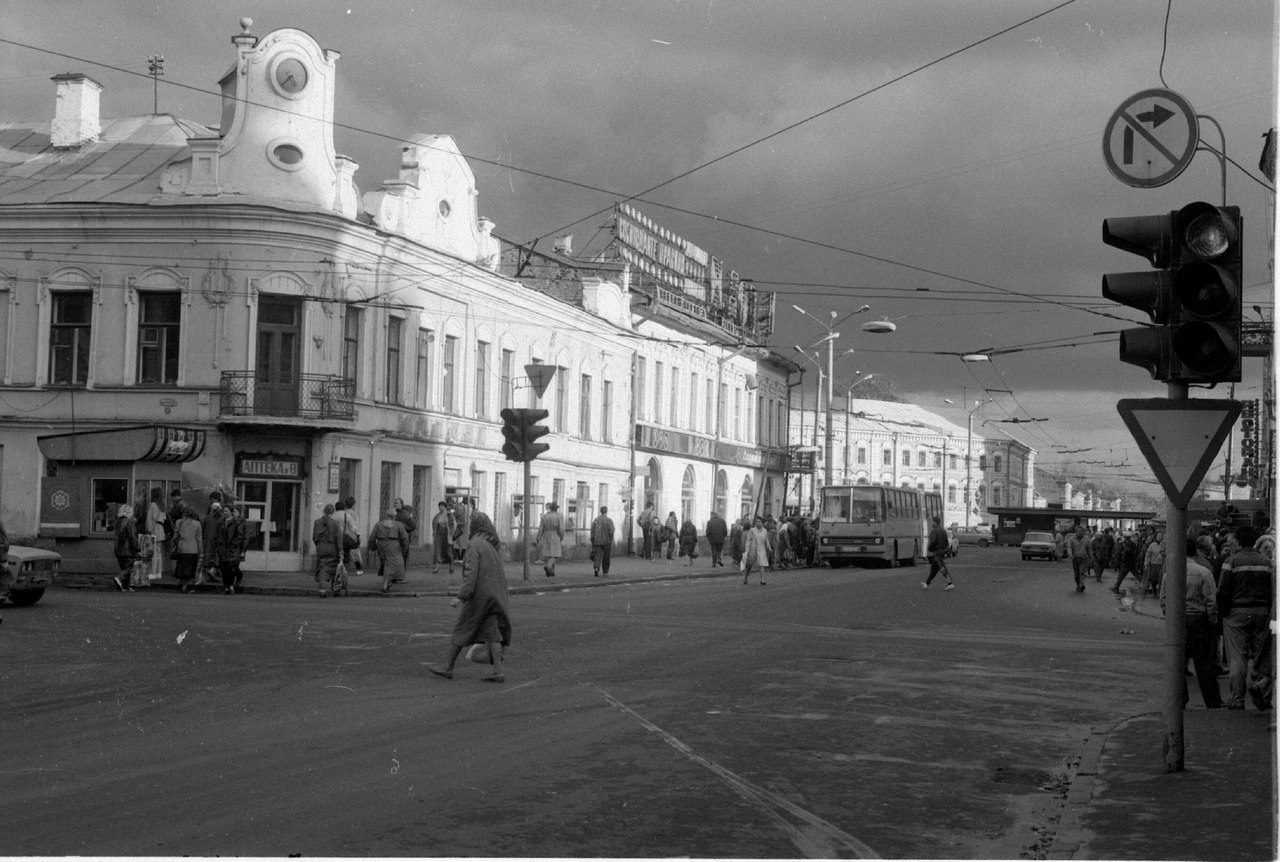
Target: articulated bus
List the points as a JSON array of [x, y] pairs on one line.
[[875, 522]]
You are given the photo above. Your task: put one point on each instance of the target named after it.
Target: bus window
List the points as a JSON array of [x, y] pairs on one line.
[[867, 506], [835, 506]]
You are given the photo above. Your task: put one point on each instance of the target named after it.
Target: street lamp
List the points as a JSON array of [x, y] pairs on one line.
[[968, 458], [830, 339]]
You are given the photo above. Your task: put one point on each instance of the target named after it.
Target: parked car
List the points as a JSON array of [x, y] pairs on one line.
[[28, 572], [980, 536], [1039, 545]]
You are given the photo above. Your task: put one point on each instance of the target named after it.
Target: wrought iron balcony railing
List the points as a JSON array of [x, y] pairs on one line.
[[304, 396]]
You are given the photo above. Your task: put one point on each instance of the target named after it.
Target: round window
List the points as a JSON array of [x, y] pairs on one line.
[[287, 154], [445, 209]]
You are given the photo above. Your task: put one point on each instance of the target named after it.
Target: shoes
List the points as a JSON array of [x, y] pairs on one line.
[[226, 591], [386, 587], [496, 676], [1079, 588], [950, 587], [597, 573], [324, 594], [439, 671], [744, 580], [119, 585], [923, 584], [1259, 699], [762, 583]]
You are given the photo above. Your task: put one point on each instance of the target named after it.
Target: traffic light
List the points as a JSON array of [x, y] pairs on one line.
[[1194, 295], [521, 430]]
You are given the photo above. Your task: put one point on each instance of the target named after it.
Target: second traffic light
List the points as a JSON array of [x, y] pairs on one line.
[[521, 429], [1194, 296]]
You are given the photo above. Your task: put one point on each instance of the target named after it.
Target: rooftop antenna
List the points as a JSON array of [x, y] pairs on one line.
[[155, 65]]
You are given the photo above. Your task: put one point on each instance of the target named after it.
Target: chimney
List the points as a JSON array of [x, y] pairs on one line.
[[75, 117], [564, 245]]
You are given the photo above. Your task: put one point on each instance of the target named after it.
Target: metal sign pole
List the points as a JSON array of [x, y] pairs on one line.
[[1175, 619], [524, 517]]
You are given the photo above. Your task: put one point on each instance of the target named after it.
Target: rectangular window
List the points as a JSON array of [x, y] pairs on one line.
[[584, 407], [606, 412], [422, 369], [888, 458], [673, 417], [421, 494], [449, 372], [108, 494], [657, 393], [557, 492], [862, 455], [982, 461], [388, 490], [693, 401], [954, 460], [482, 380], [70, 326], [638, 395], [351, 344], [562, 400], [159, 321], [906, 457], [508, 378], [721, 409], [710, 406], [737, 414], [391, 391]]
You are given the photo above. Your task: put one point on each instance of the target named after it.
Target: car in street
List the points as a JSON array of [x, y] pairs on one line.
[[28, 571], [1039, 545], [980, 536]]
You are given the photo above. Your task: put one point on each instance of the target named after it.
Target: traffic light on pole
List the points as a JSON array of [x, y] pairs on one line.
[[521, 429], [1194, 295]]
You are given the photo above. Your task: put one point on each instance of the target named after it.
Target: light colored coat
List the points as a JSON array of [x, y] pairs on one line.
[[550, 534]]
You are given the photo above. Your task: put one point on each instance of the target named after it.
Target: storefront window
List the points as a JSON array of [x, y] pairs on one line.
[[108, 494]]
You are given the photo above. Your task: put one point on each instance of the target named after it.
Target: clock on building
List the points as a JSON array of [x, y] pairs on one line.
[[290, 75]]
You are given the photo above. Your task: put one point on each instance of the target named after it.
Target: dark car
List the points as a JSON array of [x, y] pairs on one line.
[[1039, 545]]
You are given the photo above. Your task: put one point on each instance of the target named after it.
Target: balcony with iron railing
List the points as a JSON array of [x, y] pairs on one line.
[[313, 397]]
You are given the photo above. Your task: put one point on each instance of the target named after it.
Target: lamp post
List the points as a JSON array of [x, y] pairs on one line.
[[968, 457], [817, 395], [830, 339]]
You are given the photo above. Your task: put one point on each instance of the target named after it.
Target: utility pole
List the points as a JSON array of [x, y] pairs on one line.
[[155, 66]]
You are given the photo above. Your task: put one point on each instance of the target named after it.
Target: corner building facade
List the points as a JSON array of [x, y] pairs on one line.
[[188, 307]]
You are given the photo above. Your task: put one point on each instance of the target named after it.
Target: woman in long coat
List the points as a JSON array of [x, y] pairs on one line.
[[484, 616], [391, 540], [688, 540], [737, 540], [550, 536], [758, 551]]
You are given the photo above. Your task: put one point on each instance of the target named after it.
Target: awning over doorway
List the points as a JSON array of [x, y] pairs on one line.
[[164, 443]]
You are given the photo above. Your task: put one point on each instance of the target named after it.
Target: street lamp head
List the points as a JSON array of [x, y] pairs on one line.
[[879, 326], [799, 309], [975, 357]]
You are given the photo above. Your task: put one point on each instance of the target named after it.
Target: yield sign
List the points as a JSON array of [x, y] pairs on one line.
[[1180, 438]]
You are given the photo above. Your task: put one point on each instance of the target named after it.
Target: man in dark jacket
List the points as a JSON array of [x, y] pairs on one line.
[[404, 514], [938, 543], [326, 534], [717, 532], [1246, 601]]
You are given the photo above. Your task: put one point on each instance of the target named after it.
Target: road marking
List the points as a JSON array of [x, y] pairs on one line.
[[815, 837]]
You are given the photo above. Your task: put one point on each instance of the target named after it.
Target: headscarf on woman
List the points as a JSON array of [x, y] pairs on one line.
[[482, 525]]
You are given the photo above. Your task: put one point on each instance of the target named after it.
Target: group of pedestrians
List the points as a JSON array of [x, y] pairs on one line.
[[203, 550], [340, 548], [792, 540]]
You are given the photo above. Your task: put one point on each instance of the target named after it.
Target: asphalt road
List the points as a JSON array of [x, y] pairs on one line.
[[828, 714]]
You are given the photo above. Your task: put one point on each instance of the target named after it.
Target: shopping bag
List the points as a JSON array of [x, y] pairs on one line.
[[139, 577]]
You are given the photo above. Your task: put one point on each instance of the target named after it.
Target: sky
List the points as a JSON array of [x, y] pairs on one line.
[[938, 160]]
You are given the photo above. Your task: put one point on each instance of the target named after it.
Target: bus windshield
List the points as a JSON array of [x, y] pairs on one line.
[[853, 506]]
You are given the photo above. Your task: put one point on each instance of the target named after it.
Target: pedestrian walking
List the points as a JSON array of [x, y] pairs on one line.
[[1246, 601], [737, 540], [7, 579], [389, 540], [326, 535], [601, 542], [717, 531], [352, 553], [1102, 549], [483, 616], [461, 525], [550, 536], [1126, 561], [188, 540], [442, 538], [938, 543], [689, 540], [126, 546], [1153, 566], [1078, 548], [1202, 616], [405, 515], [757, 551]]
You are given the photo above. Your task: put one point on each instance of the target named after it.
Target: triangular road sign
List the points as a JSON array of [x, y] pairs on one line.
[[1180, 438], [539, 376]]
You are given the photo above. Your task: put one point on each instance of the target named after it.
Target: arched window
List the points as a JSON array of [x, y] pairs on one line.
[[998, 463], [721, 495], [688, 487]]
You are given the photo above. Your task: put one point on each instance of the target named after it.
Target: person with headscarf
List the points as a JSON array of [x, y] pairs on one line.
[[126, 547], [484, 617], [757, 551], [688, 540], [738, 539], [390, 540], [442, 538], [188, 539]]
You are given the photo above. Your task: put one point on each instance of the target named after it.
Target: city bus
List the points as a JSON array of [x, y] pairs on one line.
[[875, 522]]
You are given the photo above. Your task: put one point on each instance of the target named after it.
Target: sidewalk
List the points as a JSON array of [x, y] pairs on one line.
[[1121, 804]]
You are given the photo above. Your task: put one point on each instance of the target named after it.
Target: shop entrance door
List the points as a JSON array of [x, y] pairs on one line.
[[273, 505], [276, 377]]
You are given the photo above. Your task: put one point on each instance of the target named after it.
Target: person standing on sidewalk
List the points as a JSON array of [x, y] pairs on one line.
[[230, 549], [689, 540], [646, 522], [326, 534], [188, 539], [1202, 616], [938, 543], [442, 538], [738, 540], [483, 598], [1246, 600], [757, 551], [126, 546], [670, 534], [550, 536], [717, 531], [1078, 548], [601, 541]]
